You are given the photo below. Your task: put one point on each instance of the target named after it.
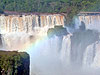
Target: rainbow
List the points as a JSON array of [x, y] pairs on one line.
[[31, 47]]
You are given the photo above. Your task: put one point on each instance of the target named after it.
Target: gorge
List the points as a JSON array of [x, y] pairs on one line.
[[76, 52]]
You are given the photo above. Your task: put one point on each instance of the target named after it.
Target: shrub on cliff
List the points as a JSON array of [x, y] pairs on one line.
[[14, 63], [57, 30], [60, 31], [51, 32]]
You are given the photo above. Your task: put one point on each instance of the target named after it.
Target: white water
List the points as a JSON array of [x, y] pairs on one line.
[[91, 21], [52, 56], [27, 23]]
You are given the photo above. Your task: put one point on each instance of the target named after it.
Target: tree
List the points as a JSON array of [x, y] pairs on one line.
[[70, 7], [75, 6]]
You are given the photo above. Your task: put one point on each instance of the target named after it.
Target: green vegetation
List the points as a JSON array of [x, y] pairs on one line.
[[14, 63], [70, 7], [49, 6], [57, 30]]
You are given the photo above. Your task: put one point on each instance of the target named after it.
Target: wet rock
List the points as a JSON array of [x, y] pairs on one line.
[[57, 30]]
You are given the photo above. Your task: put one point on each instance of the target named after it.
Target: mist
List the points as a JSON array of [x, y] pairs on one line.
[[66, 51]]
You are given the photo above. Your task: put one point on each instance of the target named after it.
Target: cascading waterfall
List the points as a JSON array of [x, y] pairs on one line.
[[91, 21], [27, 23], [89, 55], [62, 54], [57, 54], [65, 50]]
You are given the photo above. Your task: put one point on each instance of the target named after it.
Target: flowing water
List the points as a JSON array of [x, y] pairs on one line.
[[76, 53]]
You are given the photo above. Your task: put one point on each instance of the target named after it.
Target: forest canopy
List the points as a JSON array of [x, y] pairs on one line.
[[49, 6], [70, 7]]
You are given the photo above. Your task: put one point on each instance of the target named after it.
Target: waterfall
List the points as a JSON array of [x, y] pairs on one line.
[[27, 23], [91, 21], [61, 54], [65, 50], [89, 55]]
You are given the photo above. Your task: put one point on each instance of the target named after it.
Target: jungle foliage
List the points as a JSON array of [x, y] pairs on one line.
[[49, 6], [57, 30], [14, 63], [70, 7]]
